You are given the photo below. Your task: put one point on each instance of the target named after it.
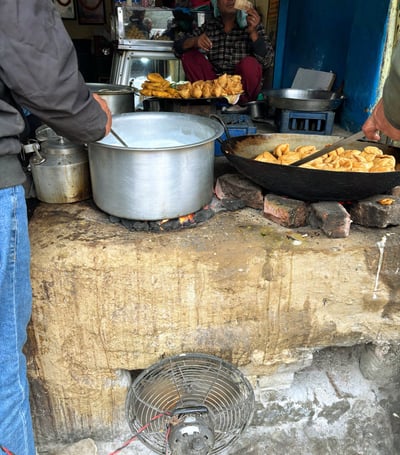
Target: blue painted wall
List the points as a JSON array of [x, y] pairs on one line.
[[346, 37]]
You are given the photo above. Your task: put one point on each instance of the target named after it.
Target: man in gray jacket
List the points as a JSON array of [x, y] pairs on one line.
[[38, 70]]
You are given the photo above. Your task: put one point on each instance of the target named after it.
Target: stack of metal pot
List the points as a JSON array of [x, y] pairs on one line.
[[60, 168]]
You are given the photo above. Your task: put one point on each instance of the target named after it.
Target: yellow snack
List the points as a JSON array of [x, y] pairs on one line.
[[207, 91], [386, 201], [266, 157], [217, 90], [289, 158], [370, 159], [383, 163], [184, 93], [305, 150], [223, 80], [155, 85], [155, 77], [281, 149], [243, 5], [196, 92], [224, 86]]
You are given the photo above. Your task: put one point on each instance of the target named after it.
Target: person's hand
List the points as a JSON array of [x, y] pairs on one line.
[[204, 42], [253, 20], [377, 122], [104, 106]]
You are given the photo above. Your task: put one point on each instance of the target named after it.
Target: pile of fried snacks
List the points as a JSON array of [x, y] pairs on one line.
[[156, 85], [369, 159], [223, 86]]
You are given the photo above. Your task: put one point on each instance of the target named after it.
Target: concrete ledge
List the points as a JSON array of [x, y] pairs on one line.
[[107, 300]]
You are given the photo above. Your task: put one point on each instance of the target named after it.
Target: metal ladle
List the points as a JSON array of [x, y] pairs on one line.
[[329, 148], [118, 138]]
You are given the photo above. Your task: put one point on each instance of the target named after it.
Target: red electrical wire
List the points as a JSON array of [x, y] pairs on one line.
[[167, 433], [6, 450], [126, 443]]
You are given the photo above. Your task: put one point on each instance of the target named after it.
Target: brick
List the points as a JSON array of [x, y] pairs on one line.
[[331, 217], [231, 186], [395, 191], [285, 211], [371, 213]]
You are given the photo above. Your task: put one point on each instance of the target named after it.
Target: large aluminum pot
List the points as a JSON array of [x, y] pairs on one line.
[[166, 171], [120, 98]]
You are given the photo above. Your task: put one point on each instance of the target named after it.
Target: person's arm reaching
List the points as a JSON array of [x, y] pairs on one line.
[[40, 69]]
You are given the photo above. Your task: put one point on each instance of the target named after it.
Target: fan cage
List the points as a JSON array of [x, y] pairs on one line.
[[189, 380]]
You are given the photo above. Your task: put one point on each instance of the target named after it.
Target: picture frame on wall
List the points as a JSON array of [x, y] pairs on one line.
[[91, 12], [66, 8]]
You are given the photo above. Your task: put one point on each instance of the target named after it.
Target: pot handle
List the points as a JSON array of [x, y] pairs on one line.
[[226, 143], [34, 147], [219, 119]]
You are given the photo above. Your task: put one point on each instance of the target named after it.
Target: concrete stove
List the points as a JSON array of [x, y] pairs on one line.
[[109, 301]]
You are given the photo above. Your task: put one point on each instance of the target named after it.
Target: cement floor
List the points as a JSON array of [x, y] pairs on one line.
[[329, 409]]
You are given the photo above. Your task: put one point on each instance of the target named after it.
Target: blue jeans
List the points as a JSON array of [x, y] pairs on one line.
[[16, 432]]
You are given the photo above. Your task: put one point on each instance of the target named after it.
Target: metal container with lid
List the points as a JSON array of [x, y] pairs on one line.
[[120, 98], [60, 171]]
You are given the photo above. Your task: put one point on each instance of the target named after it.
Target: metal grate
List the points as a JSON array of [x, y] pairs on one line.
[[185, 381]]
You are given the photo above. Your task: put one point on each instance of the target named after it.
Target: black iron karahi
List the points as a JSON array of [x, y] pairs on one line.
[[304, 183]]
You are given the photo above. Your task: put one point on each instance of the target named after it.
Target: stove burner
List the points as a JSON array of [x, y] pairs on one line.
[[184, 222]]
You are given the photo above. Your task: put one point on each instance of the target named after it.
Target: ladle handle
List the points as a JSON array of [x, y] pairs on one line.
[[329, 148], [219, 119], [118, 138]]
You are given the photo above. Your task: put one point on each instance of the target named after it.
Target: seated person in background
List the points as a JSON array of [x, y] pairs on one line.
[[137, 29], [148, 26], [231, 41]]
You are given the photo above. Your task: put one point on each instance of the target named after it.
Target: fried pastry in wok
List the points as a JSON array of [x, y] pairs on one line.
[[369, 159], [267, 157]]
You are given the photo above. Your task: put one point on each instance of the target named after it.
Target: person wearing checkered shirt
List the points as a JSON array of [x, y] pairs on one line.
[[231, 41]]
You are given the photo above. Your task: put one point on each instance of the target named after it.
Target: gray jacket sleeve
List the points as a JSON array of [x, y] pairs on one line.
[[38, 64], [391, 91]]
